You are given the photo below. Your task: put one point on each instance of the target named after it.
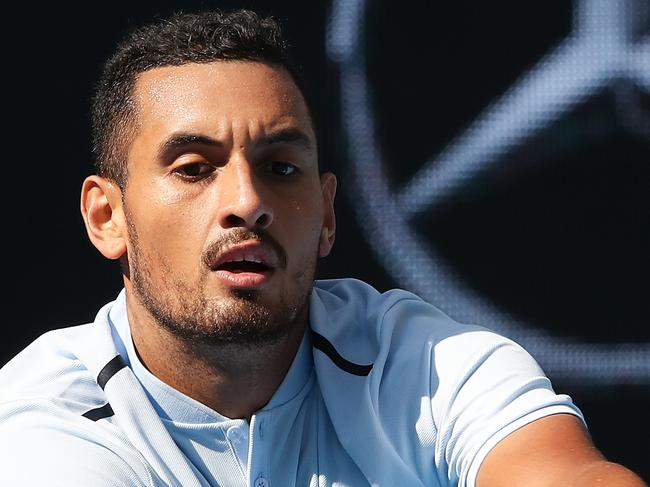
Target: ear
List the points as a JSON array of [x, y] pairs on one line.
[[101, 209], [328, 232]]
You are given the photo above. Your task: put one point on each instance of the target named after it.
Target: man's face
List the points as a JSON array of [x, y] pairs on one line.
[[226, 211]]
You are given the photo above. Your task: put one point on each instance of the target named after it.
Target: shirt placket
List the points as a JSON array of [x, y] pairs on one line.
[[258, 453]]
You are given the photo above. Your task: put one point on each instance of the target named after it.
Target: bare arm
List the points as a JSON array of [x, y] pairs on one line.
[[552, 451]]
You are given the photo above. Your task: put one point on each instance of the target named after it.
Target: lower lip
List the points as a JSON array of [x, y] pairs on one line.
[[244, 279]]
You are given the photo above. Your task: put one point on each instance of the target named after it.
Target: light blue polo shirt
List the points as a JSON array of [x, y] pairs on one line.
[[384, 390]]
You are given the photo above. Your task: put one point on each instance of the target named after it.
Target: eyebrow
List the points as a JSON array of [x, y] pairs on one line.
[[178, 141], [291, 136], [181, 140]]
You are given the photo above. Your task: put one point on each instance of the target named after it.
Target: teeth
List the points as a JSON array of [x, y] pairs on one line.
[[247, 258], [251, 258]]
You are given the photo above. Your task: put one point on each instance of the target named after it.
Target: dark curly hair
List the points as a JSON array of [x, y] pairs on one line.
[[183, 38]]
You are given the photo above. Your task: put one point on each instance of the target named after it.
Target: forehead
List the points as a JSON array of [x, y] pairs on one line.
[[221, 93]]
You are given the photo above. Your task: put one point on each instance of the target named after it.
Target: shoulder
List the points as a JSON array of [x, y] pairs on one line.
[[451, 389], [414, 346], [50, 368], [48, 384], [55, 420], [62, 365], [368, 324]]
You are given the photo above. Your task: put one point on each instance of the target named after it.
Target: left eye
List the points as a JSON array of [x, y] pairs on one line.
[[283, 168], [194, 170]]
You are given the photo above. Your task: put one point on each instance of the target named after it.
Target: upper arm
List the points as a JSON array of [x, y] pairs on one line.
[[554, 450], [44, 458], [496, 389], [37, 448]]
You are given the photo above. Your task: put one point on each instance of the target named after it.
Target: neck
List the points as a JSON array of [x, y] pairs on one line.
[[236, 380]]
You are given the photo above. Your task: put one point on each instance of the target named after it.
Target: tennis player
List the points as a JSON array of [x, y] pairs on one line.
[[222, 362]]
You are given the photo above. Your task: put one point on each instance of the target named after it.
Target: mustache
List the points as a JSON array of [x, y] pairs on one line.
[[240, 235]]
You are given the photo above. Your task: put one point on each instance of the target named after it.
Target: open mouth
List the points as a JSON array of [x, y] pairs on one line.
[[243, 266], [244, 273]]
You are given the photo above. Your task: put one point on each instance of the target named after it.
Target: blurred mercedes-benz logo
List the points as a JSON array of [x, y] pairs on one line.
[[606, 48]]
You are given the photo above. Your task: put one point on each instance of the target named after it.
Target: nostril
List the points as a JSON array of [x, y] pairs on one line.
[[235, 221], [263, 220]]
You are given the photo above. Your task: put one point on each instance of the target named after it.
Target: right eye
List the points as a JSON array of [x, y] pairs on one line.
[[194, 170]]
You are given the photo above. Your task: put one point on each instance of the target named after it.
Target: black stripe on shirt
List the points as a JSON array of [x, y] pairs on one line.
[[324, 345], [102, 412], [116, 364]]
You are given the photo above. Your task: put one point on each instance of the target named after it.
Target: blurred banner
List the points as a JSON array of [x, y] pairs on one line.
[[502, 173]]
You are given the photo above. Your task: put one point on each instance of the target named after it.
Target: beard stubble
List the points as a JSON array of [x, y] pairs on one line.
[[190, 313]]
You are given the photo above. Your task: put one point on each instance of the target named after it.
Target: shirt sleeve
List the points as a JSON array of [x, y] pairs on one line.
[[487, 387], [58, 452]]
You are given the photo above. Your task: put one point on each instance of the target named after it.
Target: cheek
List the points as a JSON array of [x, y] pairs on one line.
[[175, 233], [304, 237], [169, 207]]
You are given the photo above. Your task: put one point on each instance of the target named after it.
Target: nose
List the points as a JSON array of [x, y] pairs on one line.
[[241, 199]]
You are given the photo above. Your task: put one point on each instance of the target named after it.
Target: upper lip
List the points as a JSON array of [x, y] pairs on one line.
[[247, 251]]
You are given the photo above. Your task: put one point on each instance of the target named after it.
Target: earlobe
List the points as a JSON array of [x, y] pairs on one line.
[[328, 232], [326, 242], [101, 209]]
